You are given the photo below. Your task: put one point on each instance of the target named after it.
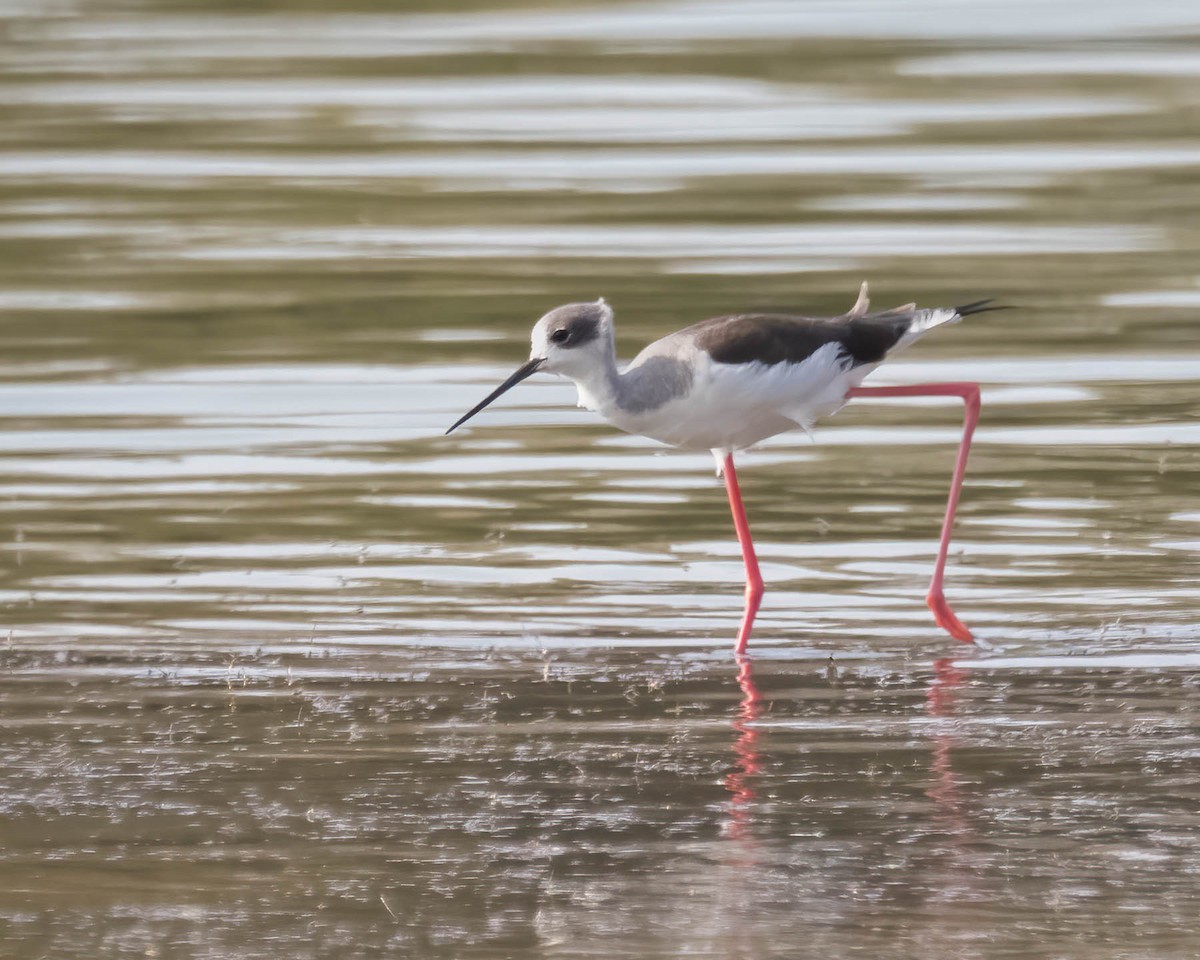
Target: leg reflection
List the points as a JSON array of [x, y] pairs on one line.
[[951, 815], [944, 790], [740, 781]]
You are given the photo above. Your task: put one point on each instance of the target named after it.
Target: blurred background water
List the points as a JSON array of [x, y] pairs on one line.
[[287, 673]]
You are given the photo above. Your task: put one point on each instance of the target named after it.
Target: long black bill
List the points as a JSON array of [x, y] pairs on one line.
[[526, 371]]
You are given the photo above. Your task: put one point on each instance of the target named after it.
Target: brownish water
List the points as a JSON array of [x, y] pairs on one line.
[[287, 673]]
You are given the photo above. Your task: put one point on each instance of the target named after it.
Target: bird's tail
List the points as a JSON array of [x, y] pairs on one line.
[[925, 320]]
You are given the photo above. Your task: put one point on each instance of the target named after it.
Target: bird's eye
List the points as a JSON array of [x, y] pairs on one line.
[[559, 335]]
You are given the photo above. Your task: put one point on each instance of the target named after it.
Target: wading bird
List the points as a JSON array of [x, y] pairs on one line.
[[730, 382]]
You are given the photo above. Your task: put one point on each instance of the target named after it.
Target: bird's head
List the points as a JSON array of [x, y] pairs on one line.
[[573, 339], [570, 340]]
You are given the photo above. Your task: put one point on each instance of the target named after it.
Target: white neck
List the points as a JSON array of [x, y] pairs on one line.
[[597, 382]]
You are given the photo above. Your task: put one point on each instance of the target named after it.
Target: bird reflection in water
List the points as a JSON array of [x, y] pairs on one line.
[[954, 870], [746, 762], [944, 789]]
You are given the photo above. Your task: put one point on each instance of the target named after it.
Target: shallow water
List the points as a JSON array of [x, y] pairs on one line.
[[287, 673]]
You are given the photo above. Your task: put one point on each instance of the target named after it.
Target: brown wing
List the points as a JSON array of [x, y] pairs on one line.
[[779, 338]]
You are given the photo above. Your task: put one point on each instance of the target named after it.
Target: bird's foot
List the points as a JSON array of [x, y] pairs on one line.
[[944, 617]]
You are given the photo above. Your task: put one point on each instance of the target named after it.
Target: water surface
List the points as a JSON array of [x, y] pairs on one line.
[[288, 673]]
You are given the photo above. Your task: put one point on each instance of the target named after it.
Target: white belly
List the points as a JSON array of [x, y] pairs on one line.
[[732, 406]]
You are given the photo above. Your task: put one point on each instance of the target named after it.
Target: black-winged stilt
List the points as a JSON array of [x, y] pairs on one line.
[[727, 383]]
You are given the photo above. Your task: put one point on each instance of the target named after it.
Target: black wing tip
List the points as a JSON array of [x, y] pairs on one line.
[[982, 306]]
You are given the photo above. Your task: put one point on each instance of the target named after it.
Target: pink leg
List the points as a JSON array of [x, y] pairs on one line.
[[754, 583], [969, 392]]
